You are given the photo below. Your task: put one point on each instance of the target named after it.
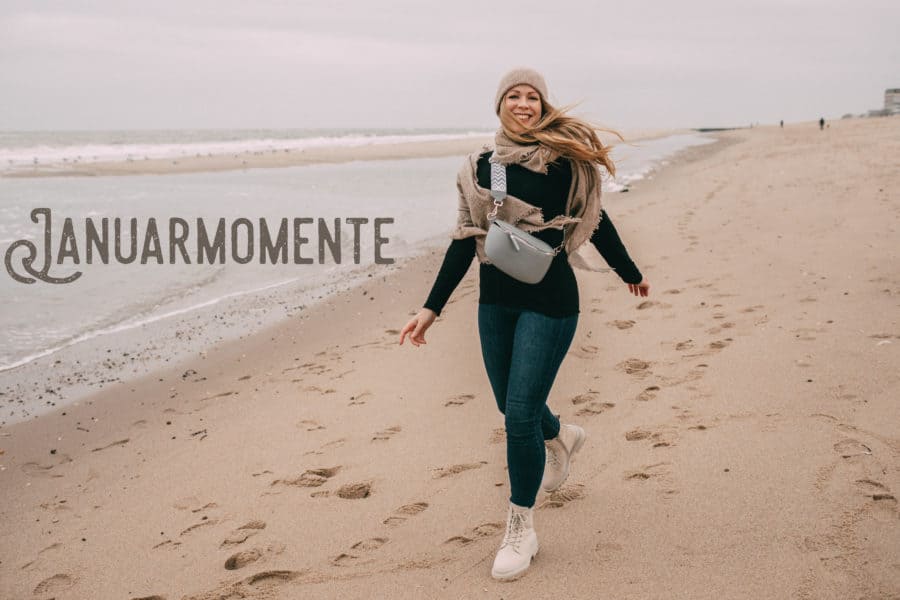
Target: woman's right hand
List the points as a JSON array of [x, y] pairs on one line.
[[417, 326]]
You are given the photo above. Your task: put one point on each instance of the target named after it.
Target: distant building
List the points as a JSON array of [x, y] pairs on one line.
[[892, 101]]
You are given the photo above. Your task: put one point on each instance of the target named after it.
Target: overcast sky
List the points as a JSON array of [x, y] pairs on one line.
[[117, 64]]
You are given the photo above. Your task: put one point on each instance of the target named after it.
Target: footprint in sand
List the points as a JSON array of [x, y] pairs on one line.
[[878, 491], [672, 291], [664, 439], [262, 584], [849, 448], [459, 399], [310, 425], [310, 477], [354, 491], [594, 408], [315, 388], [191, 502], [457, 469], [634, 366], [885, 336], [649, 393], [242, 533], [357, 399], [55, 583], [402, 514], [246, 557], [718, 329], [485, 530], [685, 345], [498, 435], [588, 396], [357, 551], [648, 472], [637, 434], [754, 308], [386, 434], [652, 303], [310, 367], [53, 546], [369, 544], [344, 560], [323, 447], [719, 344], [564, 495], [38, 470], [586, 351], [628, 324], [196, 526]]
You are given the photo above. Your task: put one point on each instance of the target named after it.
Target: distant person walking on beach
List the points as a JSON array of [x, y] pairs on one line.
[[552, 162], [781, 123], [821, 123]]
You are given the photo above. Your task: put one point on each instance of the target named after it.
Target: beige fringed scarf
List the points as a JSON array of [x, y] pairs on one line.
[[582, 207]]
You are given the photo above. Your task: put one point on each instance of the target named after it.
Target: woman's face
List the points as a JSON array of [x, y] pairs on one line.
[[524, 104]]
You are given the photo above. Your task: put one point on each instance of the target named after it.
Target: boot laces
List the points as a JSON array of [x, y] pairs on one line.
[[553, 455], [515, 529]]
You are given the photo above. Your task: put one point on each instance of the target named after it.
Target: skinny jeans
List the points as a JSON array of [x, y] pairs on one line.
[[522, 352]]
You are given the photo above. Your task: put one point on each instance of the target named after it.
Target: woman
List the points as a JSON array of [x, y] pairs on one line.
[[552, 162]]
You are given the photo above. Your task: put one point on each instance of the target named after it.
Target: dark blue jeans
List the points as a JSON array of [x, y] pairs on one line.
[[522, 352]]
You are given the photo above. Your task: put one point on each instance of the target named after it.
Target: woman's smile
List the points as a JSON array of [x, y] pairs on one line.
[[524, 102]]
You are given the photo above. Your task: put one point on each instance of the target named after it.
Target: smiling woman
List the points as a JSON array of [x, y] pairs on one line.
[[548, 162]]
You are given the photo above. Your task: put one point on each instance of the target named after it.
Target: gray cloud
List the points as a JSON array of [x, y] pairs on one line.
[[108, 64]]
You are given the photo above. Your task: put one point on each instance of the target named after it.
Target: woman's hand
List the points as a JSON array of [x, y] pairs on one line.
[[417, 326], [640, 289]]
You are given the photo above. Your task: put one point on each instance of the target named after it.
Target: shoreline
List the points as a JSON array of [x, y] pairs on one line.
[[280, 158], [318, 458]]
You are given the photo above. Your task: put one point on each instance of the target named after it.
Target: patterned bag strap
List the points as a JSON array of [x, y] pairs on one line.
[[498, 186], [498, 192]]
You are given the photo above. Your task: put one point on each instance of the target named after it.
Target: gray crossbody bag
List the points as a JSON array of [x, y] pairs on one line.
[[515, 252]]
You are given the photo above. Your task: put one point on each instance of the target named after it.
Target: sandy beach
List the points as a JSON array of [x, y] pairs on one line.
[[742, 421]]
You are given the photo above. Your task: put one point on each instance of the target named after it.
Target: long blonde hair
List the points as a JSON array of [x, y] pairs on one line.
[[571, 137]]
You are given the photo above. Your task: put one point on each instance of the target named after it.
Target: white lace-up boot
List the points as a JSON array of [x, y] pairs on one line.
[[559, 454], [519, 545]]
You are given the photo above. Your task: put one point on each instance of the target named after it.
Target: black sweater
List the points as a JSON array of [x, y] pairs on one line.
[[556, 295]]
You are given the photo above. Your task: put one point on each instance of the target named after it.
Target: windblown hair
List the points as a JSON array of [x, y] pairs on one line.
[[570, 136]]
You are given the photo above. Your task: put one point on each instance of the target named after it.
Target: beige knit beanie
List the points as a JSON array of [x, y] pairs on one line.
[[517, 76]]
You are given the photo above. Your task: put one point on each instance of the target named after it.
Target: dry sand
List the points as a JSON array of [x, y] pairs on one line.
[[742, 421]]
